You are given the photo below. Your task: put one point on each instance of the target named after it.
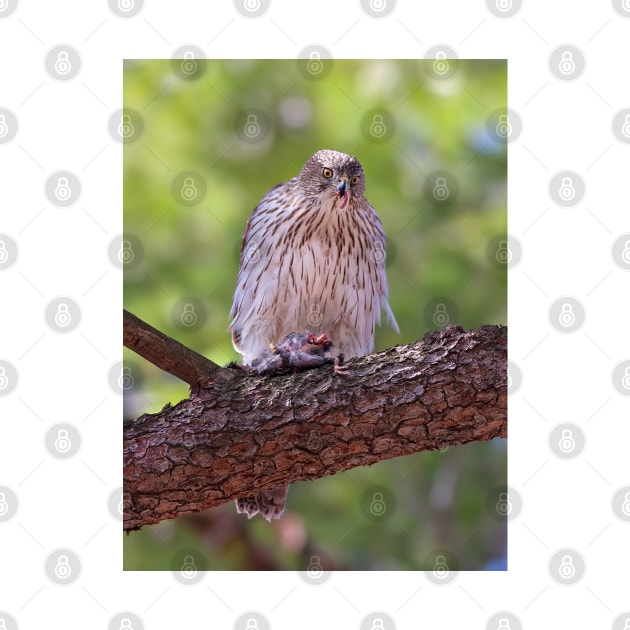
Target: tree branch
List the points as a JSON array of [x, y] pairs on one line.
[[169, 355], [238, 433]]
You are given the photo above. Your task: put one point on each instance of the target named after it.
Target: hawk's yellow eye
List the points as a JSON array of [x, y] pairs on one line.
[[327, 173], [355, 180]]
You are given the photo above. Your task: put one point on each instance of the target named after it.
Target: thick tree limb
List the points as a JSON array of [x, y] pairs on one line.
[[237, 432]]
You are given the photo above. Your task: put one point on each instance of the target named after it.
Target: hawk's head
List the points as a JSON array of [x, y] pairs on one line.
[[333, 174]]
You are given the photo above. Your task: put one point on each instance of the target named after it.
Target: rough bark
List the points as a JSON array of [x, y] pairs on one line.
[[238, 433]]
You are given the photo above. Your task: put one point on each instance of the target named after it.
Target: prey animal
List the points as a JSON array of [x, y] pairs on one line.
[[295, 352]]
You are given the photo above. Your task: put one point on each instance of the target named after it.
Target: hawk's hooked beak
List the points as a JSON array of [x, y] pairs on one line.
[[342, 191]]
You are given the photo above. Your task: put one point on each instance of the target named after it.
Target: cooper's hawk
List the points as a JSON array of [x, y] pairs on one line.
[[312, 258]]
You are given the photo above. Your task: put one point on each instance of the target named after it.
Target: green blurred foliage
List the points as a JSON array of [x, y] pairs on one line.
[[438, 253]]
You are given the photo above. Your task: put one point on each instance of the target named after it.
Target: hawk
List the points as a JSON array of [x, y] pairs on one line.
[[312, 258]]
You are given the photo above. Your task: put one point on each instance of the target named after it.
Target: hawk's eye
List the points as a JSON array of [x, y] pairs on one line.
[[327, 173], [355, 180]]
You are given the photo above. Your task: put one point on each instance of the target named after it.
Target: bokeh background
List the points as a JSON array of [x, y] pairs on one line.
[[203, 141]]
